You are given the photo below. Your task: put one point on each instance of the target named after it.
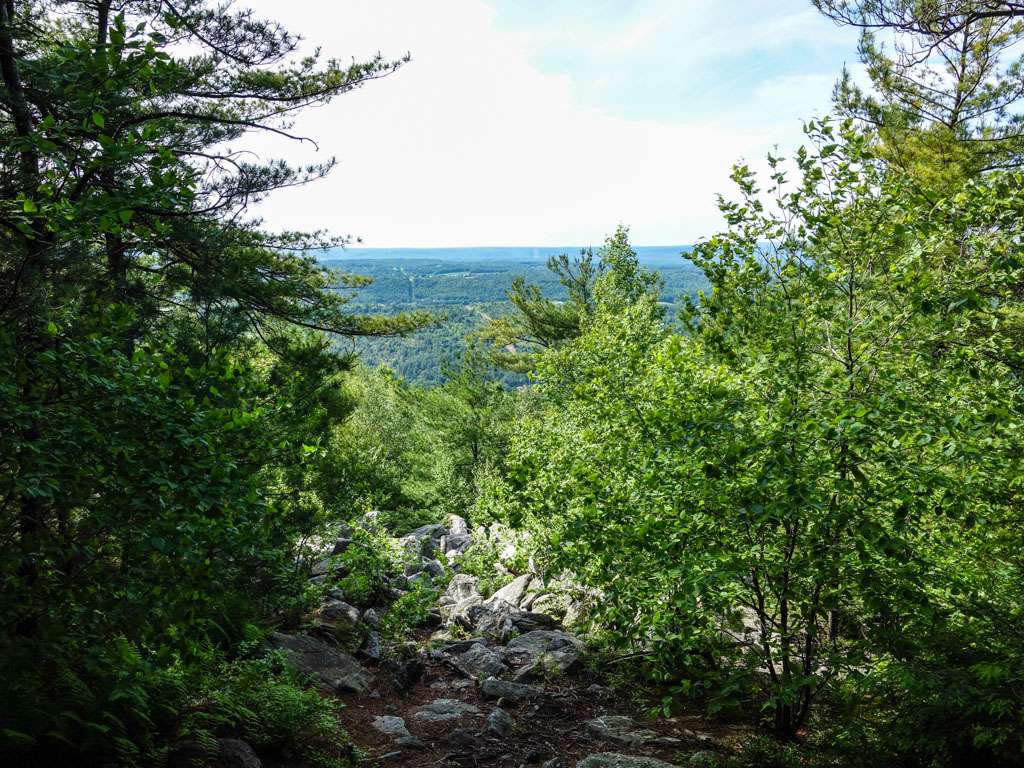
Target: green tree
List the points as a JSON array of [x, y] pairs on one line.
[[166, 382], [946, 91], [777, 501]]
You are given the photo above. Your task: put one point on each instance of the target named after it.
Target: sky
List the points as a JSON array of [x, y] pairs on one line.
[[550, 122]]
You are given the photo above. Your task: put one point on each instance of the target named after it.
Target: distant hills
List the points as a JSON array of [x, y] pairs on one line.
[[652, 255], [466, 286]]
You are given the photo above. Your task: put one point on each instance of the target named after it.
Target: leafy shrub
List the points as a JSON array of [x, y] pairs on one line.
[[367, 566], [407, 612], [263, 702]]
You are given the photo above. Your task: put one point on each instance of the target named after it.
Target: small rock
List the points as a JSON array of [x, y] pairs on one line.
[[391, 725], [555, 762], [462, 587], [499, 722], [371, 618], [493, 688], [441, 710], [341, 545]]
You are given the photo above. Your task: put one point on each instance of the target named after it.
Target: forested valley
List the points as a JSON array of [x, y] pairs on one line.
[[768, 515]]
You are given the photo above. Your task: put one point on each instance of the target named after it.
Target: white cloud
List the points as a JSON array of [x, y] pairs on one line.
[[470, 144]]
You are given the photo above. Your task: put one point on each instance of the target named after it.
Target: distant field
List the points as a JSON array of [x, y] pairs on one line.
[[466, 285]]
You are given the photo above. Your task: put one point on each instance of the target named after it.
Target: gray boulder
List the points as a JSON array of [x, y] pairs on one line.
[[395, 727], [622, 729], [513, 592], [493, 688], [499, 722], [442, 710], [460, 646], [338, 614], [433, 568], [480, 662], [373, 646], [324, 664], [457, 525], [424, 540], [542, 653], [493, 619], [455, 544]]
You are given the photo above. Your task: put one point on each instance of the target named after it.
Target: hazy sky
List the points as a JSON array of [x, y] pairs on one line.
[[548, 122]]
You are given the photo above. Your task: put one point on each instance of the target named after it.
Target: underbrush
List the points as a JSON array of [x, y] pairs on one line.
[[261, 701]]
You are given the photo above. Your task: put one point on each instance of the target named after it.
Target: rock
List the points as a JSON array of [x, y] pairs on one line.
[[371, 618], [441, 710], [395, 728], [230, 753], [413, 567], [530, 597], [615, 760], [424, 540], [403, 673], [622, 729], [455, 543], [434, 568], [391, 725], [499, 722], [322, 567], [552, 605], [493, 619], [235, 753], [528, 621], [335, 594], [457, 525], [555, 762], [461, 738], [461, 646], [480, 662], [338, 614], [327, 666], [493, 688], [513, 592], [463, 587], [543, 652], [373, 647], [341, 545]]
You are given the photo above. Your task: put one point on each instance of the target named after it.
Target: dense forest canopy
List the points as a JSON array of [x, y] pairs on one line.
[[777, 488]]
